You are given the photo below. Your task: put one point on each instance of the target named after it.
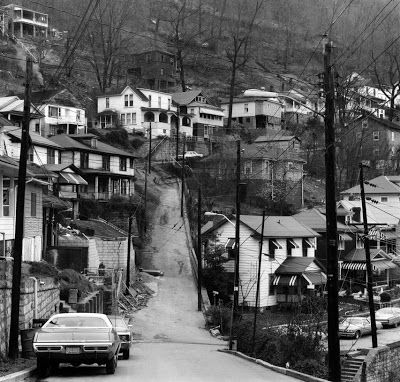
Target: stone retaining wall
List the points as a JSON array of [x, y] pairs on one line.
[[48, 300]]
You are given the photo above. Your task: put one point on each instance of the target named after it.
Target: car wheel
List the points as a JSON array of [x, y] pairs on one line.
[[43, 368], [111, 364], [125, 354], [54, 365], [357, 335]]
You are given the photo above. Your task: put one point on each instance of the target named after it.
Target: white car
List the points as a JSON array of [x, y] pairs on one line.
[[191, 155], [389, 316]]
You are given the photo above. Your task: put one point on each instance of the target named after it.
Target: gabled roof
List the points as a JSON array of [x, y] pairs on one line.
[[15, 105], [72, 142], [119, 91], [61, 167], [100, 227], [358, 254], [36, 139], [61, 97], [314, 219], [185, 98], [5, 122], [385, 122], [384, 185], [297, 265], [276, 138], [11, 164]]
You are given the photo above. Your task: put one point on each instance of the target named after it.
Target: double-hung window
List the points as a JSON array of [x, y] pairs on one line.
[[51, 156], [6, 196], [122, 164]]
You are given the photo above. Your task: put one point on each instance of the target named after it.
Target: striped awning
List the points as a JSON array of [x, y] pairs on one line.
[[354, 266], [72, 178], [288, 280]]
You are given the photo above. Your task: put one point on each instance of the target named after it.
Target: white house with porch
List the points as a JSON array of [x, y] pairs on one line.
[[285, 241]]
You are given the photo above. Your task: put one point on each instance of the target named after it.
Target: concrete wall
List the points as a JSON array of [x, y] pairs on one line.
[[113, 252], [48, 301]]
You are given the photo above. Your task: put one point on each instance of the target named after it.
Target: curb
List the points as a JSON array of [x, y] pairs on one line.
[[278, 369], [19, 375]]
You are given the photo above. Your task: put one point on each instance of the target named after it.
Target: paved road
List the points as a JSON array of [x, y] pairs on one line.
[[171, 342]]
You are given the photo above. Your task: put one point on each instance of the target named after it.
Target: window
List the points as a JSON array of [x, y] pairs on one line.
[[240, 119], [126, 100], [133, 118], [106, 162], [169, 104], [130, 99], [149, 100], [128, 119], [131, 163], [30, 154], [375, 135], [123, 119], [266, 169], [290, 245], [376, 153], [359, 241], [246, 107], [51, 156], [84, 160], [54, 112], [33, 204], [273, 245], [206, 130], [248, 167], [124, 187], [37, 128], [271, 284], [307, 243], [78, 116], [148, 58], [122, 164], [159, 102], [384, 199], [341, 244], [162, 71], [6, 196]]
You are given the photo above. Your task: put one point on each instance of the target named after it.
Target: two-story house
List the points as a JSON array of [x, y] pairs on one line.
[[256, 109], [138, 110], [63, 113], [153, 69], [289, 269], [12, 108], [108, 170], [207, 119]]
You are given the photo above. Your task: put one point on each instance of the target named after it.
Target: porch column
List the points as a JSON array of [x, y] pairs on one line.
[[129, 187], [34, 31], [387, 276], [96, 187], [109, 187], [119, 186]]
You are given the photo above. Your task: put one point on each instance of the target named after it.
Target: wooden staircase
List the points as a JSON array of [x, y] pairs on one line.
[[351, 366]]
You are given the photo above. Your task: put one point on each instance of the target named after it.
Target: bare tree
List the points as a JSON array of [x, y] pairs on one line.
[[239, 42]]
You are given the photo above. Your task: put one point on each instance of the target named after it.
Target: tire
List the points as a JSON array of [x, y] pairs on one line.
[[125, 354], [357, 335], [54, 365], [111, 364], [43, 368]]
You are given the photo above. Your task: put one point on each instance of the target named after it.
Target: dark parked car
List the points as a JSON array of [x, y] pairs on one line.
[[124, 333], [76, 338]]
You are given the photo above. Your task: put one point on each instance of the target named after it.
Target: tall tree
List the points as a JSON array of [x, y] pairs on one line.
[[238, 48]]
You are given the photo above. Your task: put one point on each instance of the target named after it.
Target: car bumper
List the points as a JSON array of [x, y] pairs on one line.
[[125, 345], [347, 334]]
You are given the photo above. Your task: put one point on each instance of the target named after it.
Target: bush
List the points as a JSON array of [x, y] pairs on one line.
[[385, 297], [219, 315]]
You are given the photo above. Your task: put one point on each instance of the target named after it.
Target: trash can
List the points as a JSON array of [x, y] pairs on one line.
[[27, 342]]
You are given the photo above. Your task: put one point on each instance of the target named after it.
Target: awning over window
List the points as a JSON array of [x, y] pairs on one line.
[[390, 235], [315, 278], [230, 244], [73, 178], [309, 243], [285, 280], [354, 266]]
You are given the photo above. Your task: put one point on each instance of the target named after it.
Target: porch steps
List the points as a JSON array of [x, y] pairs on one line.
[[66, 308], [350, 367]]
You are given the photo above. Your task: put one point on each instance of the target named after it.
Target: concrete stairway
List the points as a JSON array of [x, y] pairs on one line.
[[351, 366]]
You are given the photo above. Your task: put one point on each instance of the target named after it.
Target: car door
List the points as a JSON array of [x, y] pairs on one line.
[[367, 328]]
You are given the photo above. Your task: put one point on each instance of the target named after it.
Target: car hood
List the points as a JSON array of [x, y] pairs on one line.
[[348, 327], [60, 335]]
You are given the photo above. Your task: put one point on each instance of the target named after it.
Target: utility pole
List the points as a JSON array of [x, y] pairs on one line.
[[19, 223], [237, 227], [145, 200], [183, 174], [150, 149], [199, 254], [331, 220], [368, 261], [177, 134], [128, 259], [258, 285]]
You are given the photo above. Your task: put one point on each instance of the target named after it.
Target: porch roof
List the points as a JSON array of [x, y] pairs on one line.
[[72, 178], [378, 265]]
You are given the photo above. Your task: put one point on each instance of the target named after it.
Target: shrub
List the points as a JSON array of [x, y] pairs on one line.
[[219, 315], [385, 297]]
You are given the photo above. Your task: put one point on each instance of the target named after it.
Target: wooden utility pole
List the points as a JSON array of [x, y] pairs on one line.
[[177, 134], [237, 227], [258, 285], [199, 254], [368, 261], [145, 200], [183, 174], [150, 148], [19, 223], [331, 220], [128, 258]]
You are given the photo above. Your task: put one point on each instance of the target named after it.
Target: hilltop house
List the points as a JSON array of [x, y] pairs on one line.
[[256, 109], [207, 119], [137, 109], [289, 269], [108, 170], [63, 113]]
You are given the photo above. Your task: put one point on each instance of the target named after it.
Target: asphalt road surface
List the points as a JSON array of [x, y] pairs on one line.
[[171, 343]]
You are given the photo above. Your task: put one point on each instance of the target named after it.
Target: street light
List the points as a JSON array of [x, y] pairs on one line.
[[236, 273]]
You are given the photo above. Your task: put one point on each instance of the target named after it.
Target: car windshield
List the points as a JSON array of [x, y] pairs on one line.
[[118, 322], [74, 321], [354, 320]]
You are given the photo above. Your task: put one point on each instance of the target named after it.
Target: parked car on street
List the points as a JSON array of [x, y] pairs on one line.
[[389, 316], [124, 333], [76, 338], [191, 155], [354, 327]]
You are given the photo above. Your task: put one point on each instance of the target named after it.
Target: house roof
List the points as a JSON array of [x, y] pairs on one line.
[[12, 164], [61, 97], [100, 227], [153, 50], [385, 122], [275, 138], [72, 142], [36, 139], [358, 254], [15, 105], [384, 185], [120, 90], [184, 98], [278, 226], [5, 122], [251, 99], [376, 213], [316, 220], [296, 265]]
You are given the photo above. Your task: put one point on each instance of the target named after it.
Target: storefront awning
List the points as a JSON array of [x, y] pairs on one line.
[[285, 280], [72, 178]]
